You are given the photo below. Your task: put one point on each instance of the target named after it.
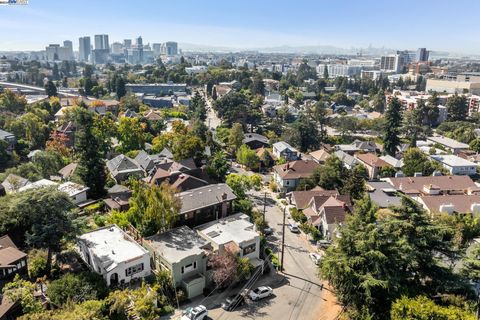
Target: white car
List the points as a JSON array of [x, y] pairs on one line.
[[315, 257], [260, 293], [293, 227], [200, 312]]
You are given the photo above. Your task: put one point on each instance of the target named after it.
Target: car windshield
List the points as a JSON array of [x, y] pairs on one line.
[[257, 290]]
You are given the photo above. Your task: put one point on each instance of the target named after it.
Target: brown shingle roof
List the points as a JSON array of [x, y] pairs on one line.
[[462, 203], [299, 169], [10, 255], [320, 155], [445, 183], [6, 242], [371, 160], [302, 198]]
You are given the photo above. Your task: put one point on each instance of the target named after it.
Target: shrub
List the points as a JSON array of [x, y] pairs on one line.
[[165, 310], [273, 257], [100, 220], [181, 295], [94, 208], [298, 216], [37, 263]]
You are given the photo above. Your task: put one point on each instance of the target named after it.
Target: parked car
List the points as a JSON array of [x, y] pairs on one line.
[[260, 293], [323, 243], [233, 302], [199, 312], [267, 231], [315, 257], [293, 227]]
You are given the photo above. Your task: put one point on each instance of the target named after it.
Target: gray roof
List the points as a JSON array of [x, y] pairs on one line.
[[4, 134], [282, 145], [177, 244], [346, 158], [118, 188], [383, 194], [254, 137], [13, 182], [146, 161], [166, 153], [122, 163], [204, 197]]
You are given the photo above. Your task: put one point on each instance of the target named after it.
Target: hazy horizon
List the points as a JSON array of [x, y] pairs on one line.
[[341, 24]]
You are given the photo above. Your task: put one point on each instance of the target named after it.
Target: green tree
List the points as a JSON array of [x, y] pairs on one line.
[[48, 163], [235, 137], [355, 183], [130, 134], [154, 208], [475, 145], [325, 72], [120, 88], [198, 107], [12, 102], [77, 288], [393, 120], [422, 308], [43, 215], [241, 183], [331, 175], [90, 149], [471, 264], [414, 161], [218, 166], [248, 157], [50, 89], [457, 108], [142, 303]]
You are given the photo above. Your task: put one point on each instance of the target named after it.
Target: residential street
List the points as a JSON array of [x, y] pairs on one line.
[[297, 292]]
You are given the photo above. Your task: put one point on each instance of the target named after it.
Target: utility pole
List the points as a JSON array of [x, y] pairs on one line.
[[283, 239], [264, 206]]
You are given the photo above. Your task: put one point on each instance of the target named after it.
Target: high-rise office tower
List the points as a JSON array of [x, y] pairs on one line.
[[127, 43], [422, 55], [169, 48], [84, 48], [101, 42]]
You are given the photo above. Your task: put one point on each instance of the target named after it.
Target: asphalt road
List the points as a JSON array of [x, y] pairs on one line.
[[297, 291]]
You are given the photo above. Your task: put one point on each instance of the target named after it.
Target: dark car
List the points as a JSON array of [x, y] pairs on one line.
[[233, 302], [267, 231]]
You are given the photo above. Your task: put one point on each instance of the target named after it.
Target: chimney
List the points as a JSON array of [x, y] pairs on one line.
[[224, 196]]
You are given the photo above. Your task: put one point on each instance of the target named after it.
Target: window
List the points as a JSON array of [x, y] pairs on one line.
[[189, 267], [249, 249], [134, 269]]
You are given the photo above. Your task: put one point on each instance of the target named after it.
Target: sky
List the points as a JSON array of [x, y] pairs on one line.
[[441, 25]]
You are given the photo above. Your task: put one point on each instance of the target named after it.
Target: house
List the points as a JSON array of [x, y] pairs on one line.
[[12, 260], [169, 170], [204, 204], [121, 167], [186, 182], [283, 150], [152, 115], [119, 197], [235, 234], [456, 203], [434, 185], [9, 138], [9, 310], [42, 183], [365, 146], [77, 192], [13, 182], [67, 172], [147, 161], [383, 194], [348, 160], [450, 144], [255, 141], [394, 162], [183, 252], [327, 212], [456, 165], [320, 156], [287, 176], [67, 132], [372, 163], [347, 148], [112, 253], [301, 199]]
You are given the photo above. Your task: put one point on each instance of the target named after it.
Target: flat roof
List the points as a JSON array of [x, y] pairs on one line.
[[112, 245], [236, 228], [177, 244], [449, 142], [72, 188], [453, 161]]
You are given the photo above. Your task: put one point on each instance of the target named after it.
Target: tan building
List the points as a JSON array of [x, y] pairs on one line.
[[453, 86]]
